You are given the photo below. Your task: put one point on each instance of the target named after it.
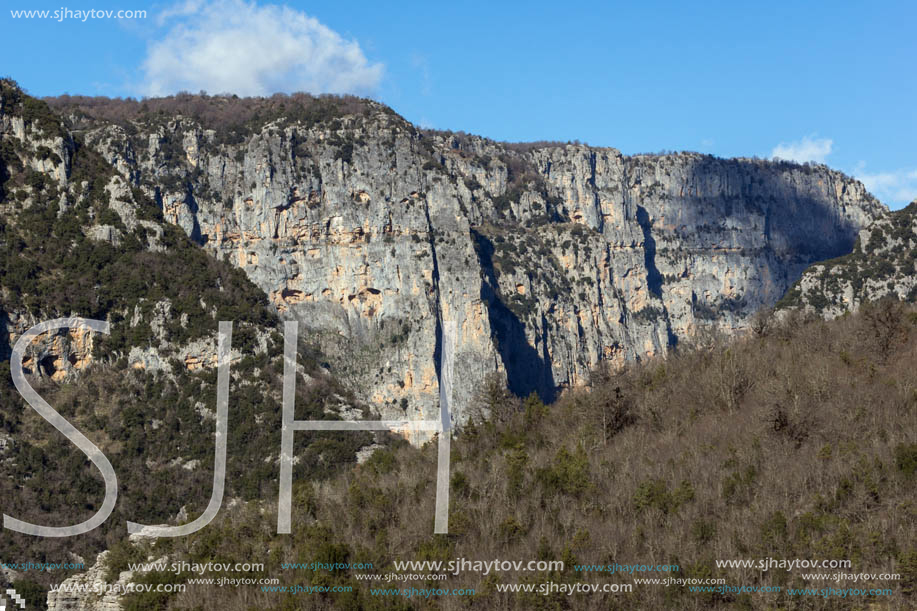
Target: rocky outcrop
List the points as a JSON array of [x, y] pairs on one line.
[[52, 355], [552, 259], [90, 591], [80, 240], [883, 264]]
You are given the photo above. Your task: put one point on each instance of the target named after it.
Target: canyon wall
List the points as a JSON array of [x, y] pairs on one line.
[[552, 258]]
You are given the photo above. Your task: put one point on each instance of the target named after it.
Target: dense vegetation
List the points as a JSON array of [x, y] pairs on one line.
[[232, 117], [798, 442], [156, 427], [50, 266]]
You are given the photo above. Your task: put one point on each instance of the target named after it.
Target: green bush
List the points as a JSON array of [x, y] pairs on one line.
[[568, 474], [35, 594], [120, 555], [516, 462], [152, 600], [655, 493], [906, 458], [907, 568]]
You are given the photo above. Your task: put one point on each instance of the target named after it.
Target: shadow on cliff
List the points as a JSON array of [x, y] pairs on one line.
[[801, 217], [653, 277], [5, 349], [797, 207], [527, 371], [190, 201]]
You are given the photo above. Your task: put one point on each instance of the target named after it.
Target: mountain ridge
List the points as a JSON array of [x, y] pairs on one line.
[[552, 258], [564, 266], [77, 241]]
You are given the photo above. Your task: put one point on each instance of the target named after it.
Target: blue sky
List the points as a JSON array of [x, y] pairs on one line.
[[827, 81]]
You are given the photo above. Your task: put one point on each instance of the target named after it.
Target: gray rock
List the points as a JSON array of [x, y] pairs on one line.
[[551, 259], [89, 591]]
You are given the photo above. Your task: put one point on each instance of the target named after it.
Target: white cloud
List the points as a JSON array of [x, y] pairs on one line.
[[894, 188], [235, 46], [180, 9], [420, 63], [809, 148]]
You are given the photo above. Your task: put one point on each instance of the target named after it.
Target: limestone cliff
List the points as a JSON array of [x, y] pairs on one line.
[[79, 240], [90, 591], [552, 258]]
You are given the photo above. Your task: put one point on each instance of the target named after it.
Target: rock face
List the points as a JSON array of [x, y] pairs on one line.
[[883, 264], [89, 591], [551, 258], [55, 355], [36, 148], [77, 239]]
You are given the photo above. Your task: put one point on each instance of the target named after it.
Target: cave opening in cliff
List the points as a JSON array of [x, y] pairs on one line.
[[47, 365]]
